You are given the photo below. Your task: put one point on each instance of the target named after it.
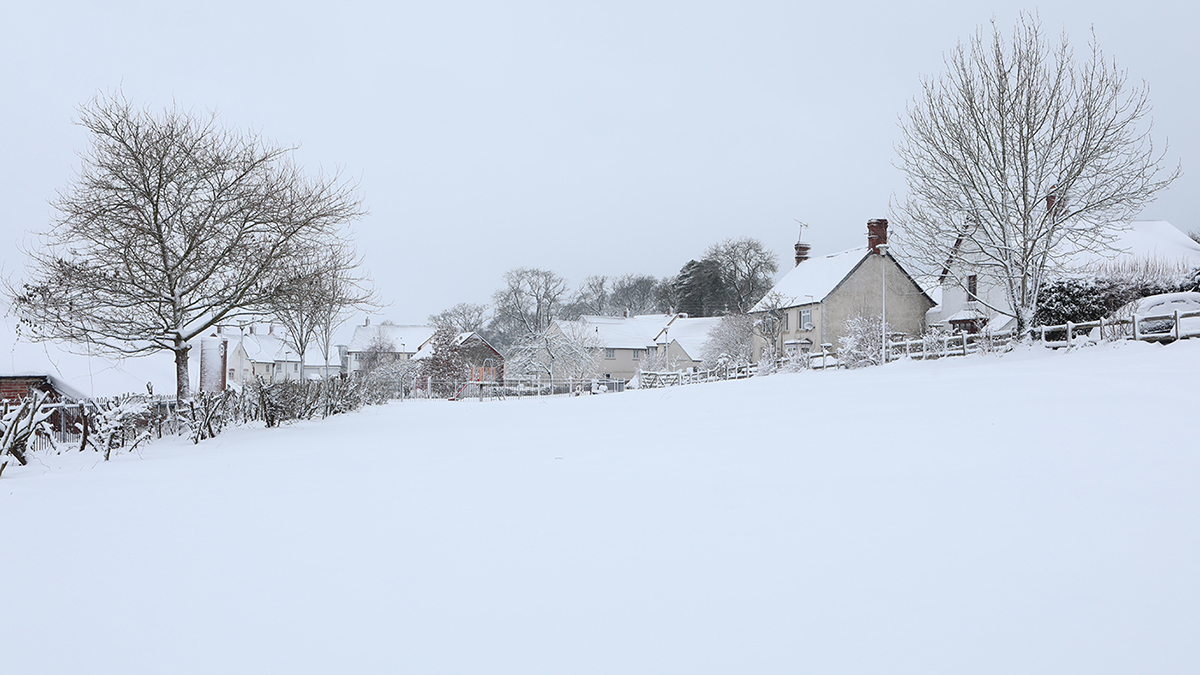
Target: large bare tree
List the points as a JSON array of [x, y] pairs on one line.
[[530, 300], [173, 224], [634, 294], [465, 317], [747, 269], [1021, 154]]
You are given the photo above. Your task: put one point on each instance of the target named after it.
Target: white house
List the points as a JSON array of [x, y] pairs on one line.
[[624, 341], [398, 342], [258, 350], [682, 342], [973, 302]]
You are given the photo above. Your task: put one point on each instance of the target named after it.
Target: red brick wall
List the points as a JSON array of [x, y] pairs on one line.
[[17, 388]]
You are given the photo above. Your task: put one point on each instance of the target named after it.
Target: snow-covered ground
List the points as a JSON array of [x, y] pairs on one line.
[[1036, 513]]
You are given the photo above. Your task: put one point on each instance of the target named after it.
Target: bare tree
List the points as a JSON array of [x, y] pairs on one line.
[[529, 301], [747, 268], [173, 225], [380, 351], [591, 298], [730, 342], [318, 291], [345, 293], [567, 349], [1020, 155], [634, 294], [465, 317], [768, 324]]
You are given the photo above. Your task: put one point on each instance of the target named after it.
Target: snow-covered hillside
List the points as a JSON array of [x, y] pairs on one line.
[[1036, 513]]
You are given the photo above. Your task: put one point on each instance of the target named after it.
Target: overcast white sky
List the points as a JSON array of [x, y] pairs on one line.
[[587, 138]]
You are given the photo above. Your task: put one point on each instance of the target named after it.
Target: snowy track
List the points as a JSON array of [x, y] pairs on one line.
[[1037, 513]]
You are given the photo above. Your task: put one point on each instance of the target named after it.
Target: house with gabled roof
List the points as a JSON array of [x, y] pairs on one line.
[[625, 340], [400, 342], [682, 342], [255, 350], [820, 294], [484, 363], [974, 302]]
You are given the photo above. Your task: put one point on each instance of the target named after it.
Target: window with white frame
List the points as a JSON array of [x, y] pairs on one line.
[[610, 353], [805, 319]]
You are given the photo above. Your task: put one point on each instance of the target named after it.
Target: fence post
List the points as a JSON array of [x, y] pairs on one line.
[[1102, 329], [1070, 330], [1135, 328], [1177, 332]]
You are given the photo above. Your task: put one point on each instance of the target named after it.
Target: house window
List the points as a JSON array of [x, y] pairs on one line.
[[610, 353], [972, 286], [805, 319], [786, 314], [637, 354], [295, 367], [231, 373]]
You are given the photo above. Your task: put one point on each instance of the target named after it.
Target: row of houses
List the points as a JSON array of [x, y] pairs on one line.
[[811, 302], [238, 355]]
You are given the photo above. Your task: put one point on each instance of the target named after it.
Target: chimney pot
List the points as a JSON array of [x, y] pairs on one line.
[[876, 233], [802, 250]]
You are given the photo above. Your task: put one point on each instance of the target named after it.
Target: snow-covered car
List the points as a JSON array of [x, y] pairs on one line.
[[1162, 305]]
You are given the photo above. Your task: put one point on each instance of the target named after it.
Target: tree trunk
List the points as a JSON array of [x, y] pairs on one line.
[[182, 385]]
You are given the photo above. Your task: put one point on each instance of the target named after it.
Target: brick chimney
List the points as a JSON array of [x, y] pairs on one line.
[[802, 250], [1055, 205], [876, 233]]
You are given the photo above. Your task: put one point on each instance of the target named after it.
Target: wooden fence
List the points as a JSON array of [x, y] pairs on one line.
[[1151, 328]]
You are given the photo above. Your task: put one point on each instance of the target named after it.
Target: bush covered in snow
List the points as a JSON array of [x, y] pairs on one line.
[[1115, 286], [19, 425], [730, 342], [863, 343]]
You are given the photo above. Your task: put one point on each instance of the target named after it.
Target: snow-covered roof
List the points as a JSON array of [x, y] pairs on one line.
[[272, 347], [76, 372], [967, 314], [262, 348], [815, 277], [619, 332], [691, 334], [407, 339], [1156, 240]]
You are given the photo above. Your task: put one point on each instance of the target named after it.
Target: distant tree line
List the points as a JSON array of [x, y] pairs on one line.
[[733, 275]]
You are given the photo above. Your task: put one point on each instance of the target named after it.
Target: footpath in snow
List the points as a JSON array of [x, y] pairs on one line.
[[1032, 513]]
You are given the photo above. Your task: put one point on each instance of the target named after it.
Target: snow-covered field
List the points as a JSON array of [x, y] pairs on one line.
[[1036, 513]]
